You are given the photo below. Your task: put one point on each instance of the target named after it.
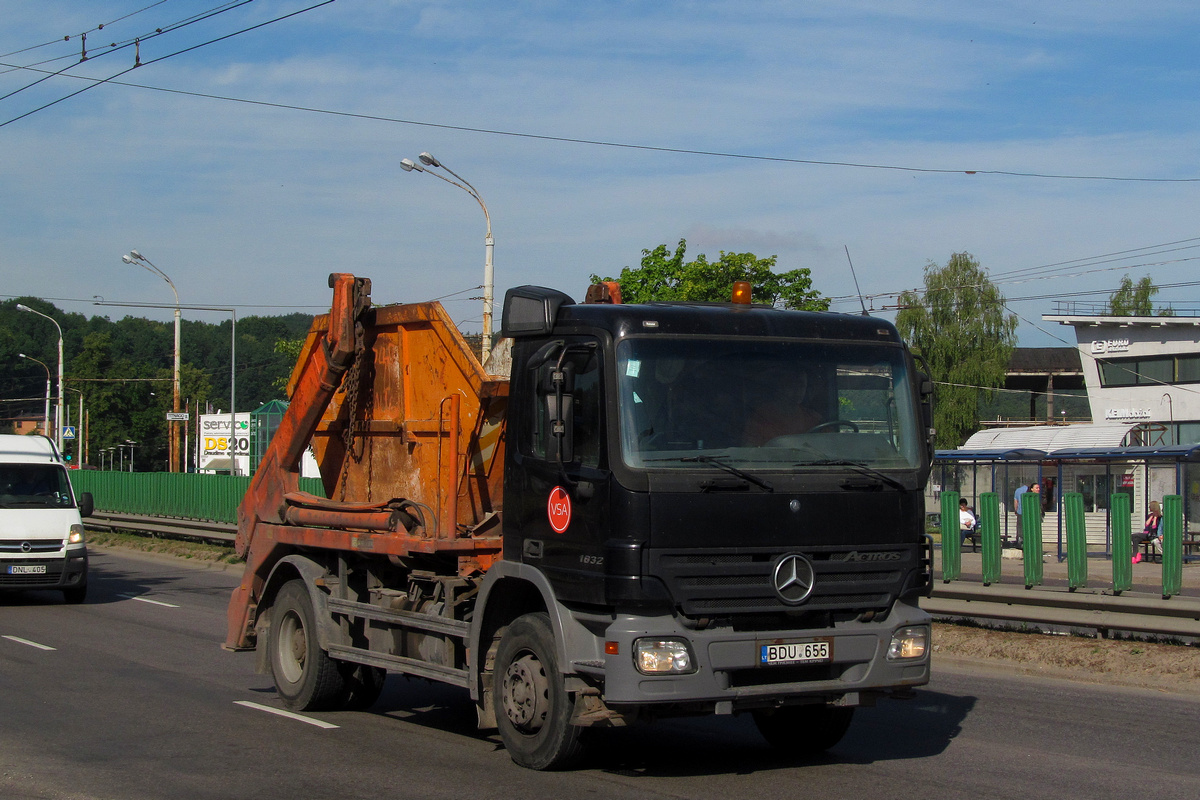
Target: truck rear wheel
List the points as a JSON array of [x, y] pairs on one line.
[[532, 706], [306, 678], [805, 730]]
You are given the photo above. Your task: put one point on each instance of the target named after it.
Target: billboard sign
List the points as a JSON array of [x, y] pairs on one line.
[[213, 443]]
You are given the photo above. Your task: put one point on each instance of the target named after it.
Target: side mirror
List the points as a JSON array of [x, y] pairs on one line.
[[531, 311], [926, 390], [556, 384], [86, 504]]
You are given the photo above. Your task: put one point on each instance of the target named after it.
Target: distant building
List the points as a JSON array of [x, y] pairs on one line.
[[1042, 371], [1143, 370]]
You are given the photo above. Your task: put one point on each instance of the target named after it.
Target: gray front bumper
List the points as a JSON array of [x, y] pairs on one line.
[[729, 671]]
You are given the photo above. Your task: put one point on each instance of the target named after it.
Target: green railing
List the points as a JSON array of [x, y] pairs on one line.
[[1077, 546], [166, 494]]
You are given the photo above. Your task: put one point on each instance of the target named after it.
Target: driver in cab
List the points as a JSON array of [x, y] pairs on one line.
[[781, 403]]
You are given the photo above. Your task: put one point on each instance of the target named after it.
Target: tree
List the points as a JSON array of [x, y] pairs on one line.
[[665, 276], [960, 327], [1133, 300], [289, 349]]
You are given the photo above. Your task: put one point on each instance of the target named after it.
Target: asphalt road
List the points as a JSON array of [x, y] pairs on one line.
[[137, 700]]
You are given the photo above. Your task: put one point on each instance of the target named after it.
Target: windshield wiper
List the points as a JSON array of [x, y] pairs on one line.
[[857, 466], [721, 464]]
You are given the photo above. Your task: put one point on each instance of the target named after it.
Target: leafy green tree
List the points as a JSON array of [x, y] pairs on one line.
[[666, 276], [124, 369], [960, 327], [289, 349], [1134, 300]]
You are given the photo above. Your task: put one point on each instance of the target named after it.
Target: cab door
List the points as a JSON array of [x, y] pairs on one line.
[[559, 477]]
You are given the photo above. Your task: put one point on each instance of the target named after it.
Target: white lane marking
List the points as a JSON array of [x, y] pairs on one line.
[[19, 640], [280, 712], [148, 600]]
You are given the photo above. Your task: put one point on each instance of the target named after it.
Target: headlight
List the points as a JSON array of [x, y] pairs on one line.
[[908, 643], [662, 656], [76, 535]]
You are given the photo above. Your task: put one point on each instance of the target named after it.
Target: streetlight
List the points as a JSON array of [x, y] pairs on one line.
[[488, 242], [131, 443], [232, 359], [46, 414], [134, 257], [58, 418]]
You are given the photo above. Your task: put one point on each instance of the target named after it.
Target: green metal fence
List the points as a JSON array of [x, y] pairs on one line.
[[166, 494]]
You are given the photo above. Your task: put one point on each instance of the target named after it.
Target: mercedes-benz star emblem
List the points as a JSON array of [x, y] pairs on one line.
[[793, 579]]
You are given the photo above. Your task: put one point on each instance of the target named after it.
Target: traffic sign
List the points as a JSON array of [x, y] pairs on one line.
[[68, 432], [178, 416]]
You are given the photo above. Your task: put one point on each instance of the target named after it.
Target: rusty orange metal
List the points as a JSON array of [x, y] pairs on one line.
[[401, 416]]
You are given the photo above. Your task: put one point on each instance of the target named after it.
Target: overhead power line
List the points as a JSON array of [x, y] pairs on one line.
[[99, 27], [94, 82], [628, 145]]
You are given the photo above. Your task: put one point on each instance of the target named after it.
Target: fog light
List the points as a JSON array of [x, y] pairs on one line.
[[76, 535], [908, 643], [660, 656]]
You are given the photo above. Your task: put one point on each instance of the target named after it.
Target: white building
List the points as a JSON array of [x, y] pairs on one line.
[[1141, 370]]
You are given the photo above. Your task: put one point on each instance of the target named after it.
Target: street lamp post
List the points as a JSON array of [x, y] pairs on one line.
[[46, 412], [131, 443], [134, 257], [488, 242], [232, 360], [58, 418]]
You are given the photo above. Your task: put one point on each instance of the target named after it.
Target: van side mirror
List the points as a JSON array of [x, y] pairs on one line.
[[86, 504]]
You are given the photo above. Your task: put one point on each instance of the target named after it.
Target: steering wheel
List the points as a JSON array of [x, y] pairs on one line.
[[834, 424]]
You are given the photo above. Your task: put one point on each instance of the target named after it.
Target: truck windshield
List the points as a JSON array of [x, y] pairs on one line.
[[34, 486], [765, 404]]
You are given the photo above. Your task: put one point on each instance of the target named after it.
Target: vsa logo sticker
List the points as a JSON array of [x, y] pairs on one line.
[[558, 509]]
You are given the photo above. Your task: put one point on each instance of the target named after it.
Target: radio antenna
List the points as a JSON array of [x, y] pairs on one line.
[[860, 295]]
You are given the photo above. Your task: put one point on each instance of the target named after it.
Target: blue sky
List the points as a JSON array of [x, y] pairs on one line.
[[249, 204]]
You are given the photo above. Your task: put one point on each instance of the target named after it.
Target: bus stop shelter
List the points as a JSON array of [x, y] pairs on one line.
[[1096, 471]]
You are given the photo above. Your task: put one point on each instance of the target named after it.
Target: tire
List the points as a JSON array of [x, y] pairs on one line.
[[306, 678], [364, 684], [533, 709], [804, 730], [76, 594]]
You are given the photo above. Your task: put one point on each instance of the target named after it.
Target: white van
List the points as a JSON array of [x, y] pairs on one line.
[[41, 527]]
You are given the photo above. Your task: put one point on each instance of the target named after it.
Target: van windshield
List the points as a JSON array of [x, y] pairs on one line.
[[765, 404], [34, 486]]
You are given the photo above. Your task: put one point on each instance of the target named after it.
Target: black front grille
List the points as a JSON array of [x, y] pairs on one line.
[[722, 582], [771, 676], [52, 574], [35, 545]]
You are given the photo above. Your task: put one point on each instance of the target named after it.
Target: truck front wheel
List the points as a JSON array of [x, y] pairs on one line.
[[532, 706], [306, 678], [804, 730]]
